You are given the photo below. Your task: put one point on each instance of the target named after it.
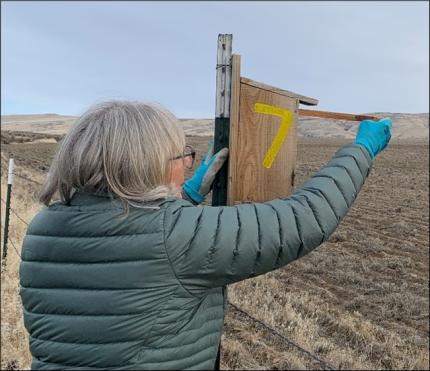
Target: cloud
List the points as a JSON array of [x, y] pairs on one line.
[[358, 57]]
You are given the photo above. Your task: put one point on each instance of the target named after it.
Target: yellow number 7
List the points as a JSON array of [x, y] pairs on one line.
[[286, 122]]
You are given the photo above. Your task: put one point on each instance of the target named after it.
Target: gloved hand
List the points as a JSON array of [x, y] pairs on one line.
[[374, 135], [199, 185]]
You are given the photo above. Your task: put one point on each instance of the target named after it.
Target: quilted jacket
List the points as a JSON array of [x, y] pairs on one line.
[[146, 291]]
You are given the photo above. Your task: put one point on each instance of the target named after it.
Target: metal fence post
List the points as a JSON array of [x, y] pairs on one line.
[[222, 114], [7, 211]]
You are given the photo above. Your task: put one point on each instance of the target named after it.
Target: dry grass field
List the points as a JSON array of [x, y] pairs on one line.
[[360, 301]]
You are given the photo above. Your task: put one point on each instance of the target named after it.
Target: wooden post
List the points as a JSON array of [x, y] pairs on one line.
[[222, 114], [336, 115], [7, 211], [234, 122]]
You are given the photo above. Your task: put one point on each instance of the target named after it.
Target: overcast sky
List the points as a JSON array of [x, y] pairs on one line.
[[61, 57]]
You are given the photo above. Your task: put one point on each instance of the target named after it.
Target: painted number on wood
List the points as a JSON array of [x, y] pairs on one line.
[[287, 119]]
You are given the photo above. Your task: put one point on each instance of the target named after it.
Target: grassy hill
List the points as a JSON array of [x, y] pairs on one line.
[[407, 126]]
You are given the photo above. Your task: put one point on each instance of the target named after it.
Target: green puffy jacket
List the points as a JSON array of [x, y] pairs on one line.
[[146, 292]]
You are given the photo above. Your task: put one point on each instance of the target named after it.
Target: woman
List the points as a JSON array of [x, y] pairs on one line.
[[123, 273]]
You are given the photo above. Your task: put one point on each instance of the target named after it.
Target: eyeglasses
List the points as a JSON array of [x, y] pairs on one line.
[[188, 157]]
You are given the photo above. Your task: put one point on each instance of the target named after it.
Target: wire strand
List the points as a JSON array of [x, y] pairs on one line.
[[16, 214], [325, 365], [13, 245], [5, 169], [27, 179]]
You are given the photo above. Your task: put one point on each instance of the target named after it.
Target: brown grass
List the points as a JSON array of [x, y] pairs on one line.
[[360, 301]]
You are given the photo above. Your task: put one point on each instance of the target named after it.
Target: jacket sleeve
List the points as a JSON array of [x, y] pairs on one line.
[[213, 246]]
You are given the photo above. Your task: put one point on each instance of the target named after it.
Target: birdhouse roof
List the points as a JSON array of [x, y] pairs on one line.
[[302, 99]]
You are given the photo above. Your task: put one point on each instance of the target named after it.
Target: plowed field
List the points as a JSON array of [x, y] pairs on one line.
[[359, 301]]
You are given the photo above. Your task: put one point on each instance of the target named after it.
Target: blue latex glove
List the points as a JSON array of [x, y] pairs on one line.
[[374, 135], [196, 188]]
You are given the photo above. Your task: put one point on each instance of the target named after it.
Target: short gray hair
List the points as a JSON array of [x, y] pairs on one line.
[[117, 147]]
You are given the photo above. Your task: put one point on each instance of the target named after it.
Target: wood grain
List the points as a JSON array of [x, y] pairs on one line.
[[336, 115], [249, 141], [234, 124], [302, 98]]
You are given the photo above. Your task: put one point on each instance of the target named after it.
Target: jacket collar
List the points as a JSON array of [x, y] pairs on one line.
[[88, 198]]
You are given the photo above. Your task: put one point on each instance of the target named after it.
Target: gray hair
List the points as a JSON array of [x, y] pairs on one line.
[[117, 147]]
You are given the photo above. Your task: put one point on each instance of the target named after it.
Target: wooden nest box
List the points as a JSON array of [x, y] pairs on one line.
[[262, 140], [258, 123]]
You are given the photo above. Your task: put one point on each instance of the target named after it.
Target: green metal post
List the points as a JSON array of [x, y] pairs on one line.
[[222, 129], [221, 139], [222, 115], [7, 211]]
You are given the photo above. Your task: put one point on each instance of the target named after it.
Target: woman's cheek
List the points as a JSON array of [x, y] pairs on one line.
[[177, 173]]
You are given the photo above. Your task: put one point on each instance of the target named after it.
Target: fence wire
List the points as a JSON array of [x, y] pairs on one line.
[[4, 170], [27, 179], [324, 364], [16, 214], [12, 243]]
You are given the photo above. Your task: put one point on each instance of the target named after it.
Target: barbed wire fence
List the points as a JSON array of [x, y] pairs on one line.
[[290, 343], [12, 243]]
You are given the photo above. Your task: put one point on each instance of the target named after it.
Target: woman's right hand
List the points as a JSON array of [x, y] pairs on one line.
[[196, 188], [374, 135]]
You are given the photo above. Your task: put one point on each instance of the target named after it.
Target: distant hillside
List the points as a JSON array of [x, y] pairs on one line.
[[49, 123], [407, 126]]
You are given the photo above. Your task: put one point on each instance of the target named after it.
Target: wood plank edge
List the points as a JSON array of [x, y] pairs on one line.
[[302, 98], [234, 122], [335, 115]]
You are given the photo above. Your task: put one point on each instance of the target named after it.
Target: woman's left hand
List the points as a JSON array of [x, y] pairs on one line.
[[197, 187]]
